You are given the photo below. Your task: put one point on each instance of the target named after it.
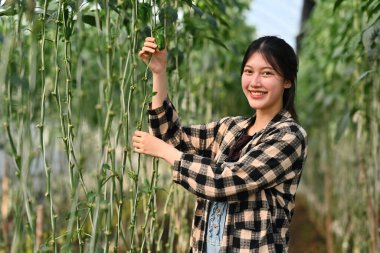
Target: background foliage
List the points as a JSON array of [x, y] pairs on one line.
[[73, 92], [339, 101]]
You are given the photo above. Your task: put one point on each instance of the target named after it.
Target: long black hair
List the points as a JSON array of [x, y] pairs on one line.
[[281, 56]]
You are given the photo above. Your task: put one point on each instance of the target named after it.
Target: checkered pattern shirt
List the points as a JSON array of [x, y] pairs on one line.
[[260, 187]]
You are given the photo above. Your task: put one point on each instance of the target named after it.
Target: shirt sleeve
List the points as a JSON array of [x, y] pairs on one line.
[[165, 124], [277, 158]]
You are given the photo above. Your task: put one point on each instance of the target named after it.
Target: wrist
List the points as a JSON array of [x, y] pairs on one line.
[[160, 74], [160, 87], [171, 154]]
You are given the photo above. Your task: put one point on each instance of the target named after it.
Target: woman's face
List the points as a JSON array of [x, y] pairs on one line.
[[262, 85]]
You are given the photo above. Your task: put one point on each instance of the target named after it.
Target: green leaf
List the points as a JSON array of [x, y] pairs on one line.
[[68, 28], [373, 17], [364, 75], [146, 187], [221, 5], [218, 42], [106, 166], [159, 37], [168, 14], [91, 196], [224, 22], [337, 4], [188, 2], [7, 12], [132, 175], [197, 10], [212, 21], [154, 93], [144, 12], [114, 7]]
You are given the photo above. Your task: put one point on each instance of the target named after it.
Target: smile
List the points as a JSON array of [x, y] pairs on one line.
[[257, 94]]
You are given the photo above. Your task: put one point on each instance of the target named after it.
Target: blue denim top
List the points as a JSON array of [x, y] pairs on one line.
[[216, 221], [218, 210]]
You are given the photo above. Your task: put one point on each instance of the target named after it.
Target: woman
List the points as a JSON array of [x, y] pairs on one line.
[[245, 171]]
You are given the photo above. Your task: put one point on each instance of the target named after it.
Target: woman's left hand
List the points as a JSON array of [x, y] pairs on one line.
[[145, 143]]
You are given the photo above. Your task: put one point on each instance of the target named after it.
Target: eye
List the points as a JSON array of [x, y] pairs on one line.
[[266, 73], [247, 71]]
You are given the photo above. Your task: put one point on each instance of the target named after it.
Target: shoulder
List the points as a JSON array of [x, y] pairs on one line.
[[234, 123], [229, 124], [232, 120], [291, 126], [286, 125]]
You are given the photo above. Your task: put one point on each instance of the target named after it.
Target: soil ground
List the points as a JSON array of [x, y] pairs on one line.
[[304, 236]]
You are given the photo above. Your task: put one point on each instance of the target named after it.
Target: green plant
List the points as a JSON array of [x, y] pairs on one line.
[[340, 75], [73, 92]]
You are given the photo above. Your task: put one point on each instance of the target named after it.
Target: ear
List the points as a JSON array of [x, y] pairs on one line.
[[287, 84]]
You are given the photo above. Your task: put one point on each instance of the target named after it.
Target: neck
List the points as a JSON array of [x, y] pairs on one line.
[[262, 120]]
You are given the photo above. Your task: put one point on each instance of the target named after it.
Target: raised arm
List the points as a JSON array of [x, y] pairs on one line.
[[164, 122], [157, 64]]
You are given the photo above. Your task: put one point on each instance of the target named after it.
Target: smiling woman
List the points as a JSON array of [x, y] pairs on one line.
[[72, 93], [263, 86], [279, 57], [244, 171]]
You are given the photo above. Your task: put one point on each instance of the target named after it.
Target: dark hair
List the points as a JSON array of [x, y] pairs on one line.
[[281, 56]]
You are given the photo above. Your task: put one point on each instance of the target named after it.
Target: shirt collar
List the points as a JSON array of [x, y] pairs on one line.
[[281, 116]]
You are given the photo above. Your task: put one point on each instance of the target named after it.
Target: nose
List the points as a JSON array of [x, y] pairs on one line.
[[255, 81]]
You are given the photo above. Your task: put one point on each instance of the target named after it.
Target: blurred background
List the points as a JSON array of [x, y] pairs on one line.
[[72, 90], [276, 17]]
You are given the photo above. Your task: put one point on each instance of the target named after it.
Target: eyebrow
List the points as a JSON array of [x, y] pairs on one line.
[[265, 67]]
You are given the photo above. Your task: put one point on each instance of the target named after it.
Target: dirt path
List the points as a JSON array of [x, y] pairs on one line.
[[304, 237]]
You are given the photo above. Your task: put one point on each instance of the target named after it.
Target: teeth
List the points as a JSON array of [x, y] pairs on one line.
[[257, 93]]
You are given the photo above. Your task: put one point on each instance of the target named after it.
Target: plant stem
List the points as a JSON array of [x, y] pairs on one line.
[[152, 194], [133, 39], [41, 128]]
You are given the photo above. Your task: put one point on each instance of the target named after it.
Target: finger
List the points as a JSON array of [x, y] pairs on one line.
[[145, 52], [149, 39], [138, 150], [140, 133], [150, 44], [136, 146], [144, 56], [135, 140], [149, 49]]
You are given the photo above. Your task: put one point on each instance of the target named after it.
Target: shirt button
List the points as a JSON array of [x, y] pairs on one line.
[[215, 225], [218, 210]]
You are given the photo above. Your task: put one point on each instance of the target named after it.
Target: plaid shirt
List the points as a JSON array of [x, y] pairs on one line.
[[260, 187]]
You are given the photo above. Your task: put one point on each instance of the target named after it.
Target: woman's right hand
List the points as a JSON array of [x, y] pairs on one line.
[[158, 62]]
